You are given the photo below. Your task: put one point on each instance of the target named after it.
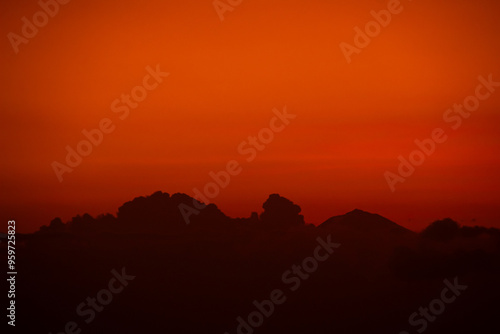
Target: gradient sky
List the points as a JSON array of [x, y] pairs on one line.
[[353, 120]]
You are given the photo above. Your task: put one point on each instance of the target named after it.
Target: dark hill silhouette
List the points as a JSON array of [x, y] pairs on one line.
[[163, 213], [364, 221], [442, 230], [202, 276], [448, 229], [359, 222]]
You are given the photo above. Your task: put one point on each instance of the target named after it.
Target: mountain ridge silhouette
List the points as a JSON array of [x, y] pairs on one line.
[[359, 219], [202, 276], [162, 214], [162, 211]]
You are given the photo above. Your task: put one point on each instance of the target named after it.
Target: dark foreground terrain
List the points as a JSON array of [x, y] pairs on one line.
[[146, 271]]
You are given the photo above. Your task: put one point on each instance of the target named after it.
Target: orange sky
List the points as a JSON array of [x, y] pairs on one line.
[[353, 120]]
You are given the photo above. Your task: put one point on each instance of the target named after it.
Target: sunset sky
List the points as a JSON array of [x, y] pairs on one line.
[[352, 121]]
